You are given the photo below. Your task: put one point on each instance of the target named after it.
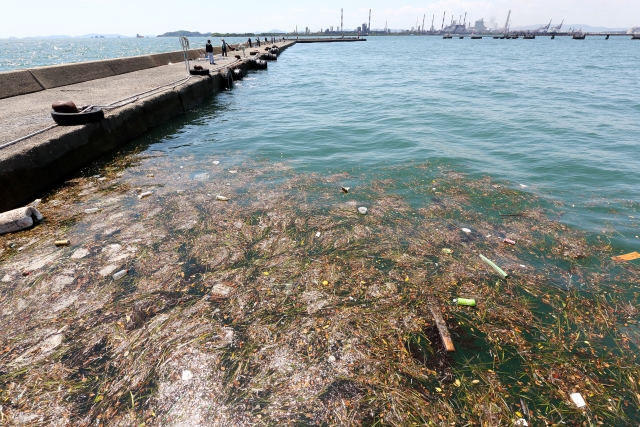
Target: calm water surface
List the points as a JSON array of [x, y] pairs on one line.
[[558, 118]]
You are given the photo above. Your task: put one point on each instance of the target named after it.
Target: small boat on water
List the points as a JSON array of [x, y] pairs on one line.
[[579, 36], [138, 36]]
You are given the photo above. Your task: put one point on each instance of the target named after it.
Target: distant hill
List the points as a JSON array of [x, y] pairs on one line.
[[276, 32], [184, 33]]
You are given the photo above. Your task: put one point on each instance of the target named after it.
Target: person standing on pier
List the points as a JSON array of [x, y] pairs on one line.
[[258, 41], [249, 41], [209, 49], [224, 48]]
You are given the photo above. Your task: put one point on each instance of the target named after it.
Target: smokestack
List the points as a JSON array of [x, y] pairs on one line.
[[341, 20]]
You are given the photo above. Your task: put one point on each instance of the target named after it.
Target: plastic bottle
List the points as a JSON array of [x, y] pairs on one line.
[[465, 301], [120, 274]]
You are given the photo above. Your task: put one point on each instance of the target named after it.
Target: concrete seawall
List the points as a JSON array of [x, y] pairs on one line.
[[30, 167]]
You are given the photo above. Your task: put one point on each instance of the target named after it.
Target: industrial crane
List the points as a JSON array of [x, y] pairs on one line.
[[545, 28], [506, 24], [556, 29]]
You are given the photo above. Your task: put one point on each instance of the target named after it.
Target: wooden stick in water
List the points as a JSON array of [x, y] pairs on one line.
[[442, 328]]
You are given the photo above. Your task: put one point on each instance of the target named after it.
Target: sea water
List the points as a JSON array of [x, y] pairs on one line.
[[557, 118]]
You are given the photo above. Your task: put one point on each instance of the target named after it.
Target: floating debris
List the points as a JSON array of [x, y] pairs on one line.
[[509, 241], [346, 189], [62, 242], [145, 194], [442, 328], [465, 301], [627, 257], [120, 274], [466, 230], [91, 210], [578, 400], [222, 198], [362, 210], [18, 219], [494, 266]]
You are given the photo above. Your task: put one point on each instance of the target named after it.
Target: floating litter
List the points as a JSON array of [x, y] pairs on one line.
[[62, 242], [318, 234], [627, 257], [186, 375], [222, 198], [346, 189], [466, 230], [120, 274], [495, 267], [215, 162], [362, 210], [578, 400], [145, 194], [90, 211], [509, 241]]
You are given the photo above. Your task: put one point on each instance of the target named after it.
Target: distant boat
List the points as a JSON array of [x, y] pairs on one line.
[[138, 36]]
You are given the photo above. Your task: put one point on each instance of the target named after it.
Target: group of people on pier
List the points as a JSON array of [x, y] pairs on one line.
[[224, 45]]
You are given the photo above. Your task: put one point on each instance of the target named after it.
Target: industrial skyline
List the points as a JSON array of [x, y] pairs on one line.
[[70, 17]]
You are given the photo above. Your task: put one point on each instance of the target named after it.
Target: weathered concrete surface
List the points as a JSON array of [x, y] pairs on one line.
[[31, 166], [14, 83], [21, 82]]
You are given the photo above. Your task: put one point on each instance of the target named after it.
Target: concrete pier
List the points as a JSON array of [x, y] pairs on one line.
[[29, 167]]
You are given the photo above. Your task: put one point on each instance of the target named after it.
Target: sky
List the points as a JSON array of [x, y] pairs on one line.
[[152, 17]]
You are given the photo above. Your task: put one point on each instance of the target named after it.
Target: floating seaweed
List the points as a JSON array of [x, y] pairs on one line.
[[240, 313]]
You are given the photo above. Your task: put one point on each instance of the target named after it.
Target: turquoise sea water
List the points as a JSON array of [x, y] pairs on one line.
[[26, 53], [558, 118]]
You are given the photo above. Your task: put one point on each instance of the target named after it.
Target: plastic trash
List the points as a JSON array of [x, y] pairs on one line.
[[18, 219], [346, 189], [222, 198], [495, 267], [362, 210], [145, 194], [466, 230], [92, 210], [215, 162], [318, 234], [465, 301], [447, 251], [62, 243], [521, 422], [186, 375], [578, 400], [201, 176], [120, 274], [509, 241]]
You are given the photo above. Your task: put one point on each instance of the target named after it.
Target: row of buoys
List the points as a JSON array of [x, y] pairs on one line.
[[269, 57]]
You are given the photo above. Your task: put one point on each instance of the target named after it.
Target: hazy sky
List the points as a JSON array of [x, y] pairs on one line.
[[128, 17]]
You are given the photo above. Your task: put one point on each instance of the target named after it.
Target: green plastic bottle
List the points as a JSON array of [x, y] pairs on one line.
[[465, 301]]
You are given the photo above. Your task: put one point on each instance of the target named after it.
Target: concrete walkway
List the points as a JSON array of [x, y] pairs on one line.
[[24, 114], [34, 164]]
